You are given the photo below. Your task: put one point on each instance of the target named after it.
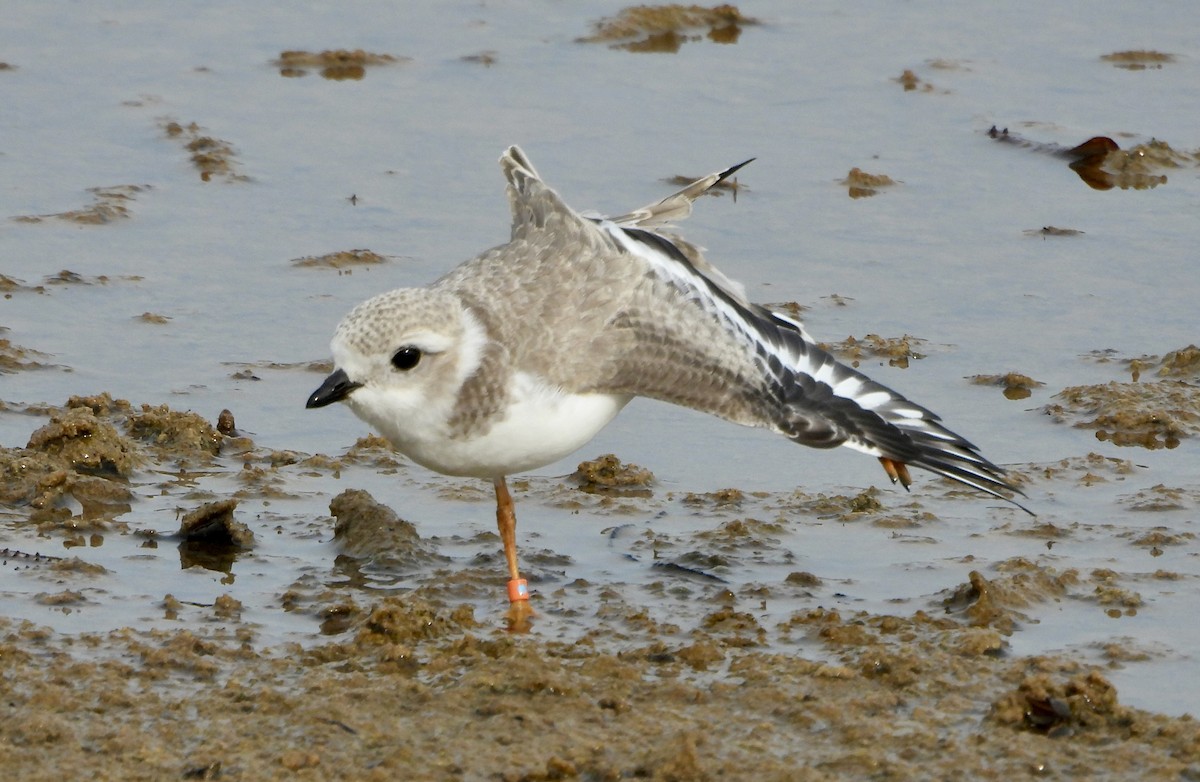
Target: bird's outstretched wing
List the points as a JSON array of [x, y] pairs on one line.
[[677, 329]]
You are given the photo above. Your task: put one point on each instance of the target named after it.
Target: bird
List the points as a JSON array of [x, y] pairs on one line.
[[519, 356]]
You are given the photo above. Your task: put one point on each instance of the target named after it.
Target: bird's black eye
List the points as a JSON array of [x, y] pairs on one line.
[[406, 358]]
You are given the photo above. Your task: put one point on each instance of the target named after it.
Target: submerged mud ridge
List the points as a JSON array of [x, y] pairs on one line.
[[109, 204], [405, 670], [211, 156], [15, 358]]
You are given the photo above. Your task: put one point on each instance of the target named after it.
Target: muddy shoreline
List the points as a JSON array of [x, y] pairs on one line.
[[426, 683]]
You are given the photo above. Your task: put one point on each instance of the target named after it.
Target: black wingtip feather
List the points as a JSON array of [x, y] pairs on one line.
[[733, 170], [976, 472]]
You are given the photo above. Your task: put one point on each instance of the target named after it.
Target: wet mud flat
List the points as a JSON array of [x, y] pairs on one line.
[[696, 674], [420, 690]]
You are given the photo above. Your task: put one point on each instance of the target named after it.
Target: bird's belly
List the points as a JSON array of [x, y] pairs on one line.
[[535, 431]]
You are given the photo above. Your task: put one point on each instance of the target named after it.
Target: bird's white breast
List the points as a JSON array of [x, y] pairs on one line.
[[542, 424]]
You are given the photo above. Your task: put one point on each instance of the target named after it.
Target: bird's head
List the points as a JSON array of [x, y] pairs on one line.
[[400, 358]]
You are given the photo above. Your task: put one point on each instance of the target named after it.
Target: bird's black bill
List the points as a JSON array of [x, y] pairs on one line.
[[335, 388]]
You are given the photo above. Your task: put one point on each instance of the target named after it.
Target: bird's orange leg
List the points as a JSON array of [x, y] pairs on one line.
[[518, 588], [897, 471]]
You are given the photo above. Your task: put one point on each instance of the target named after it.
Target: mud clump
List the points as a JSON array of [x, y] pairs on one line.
[[14, 358], [742, 534], [803, 578], [1136, 168], [35, 480], [212, 538], [86, 443], [994, 603], [10, 284], [1182, 363], [1039, 704], [734, 628], [369, 530], [375, 451], [214, 523], [866, 501], [608, 475], [1163, 498], [109, 204], [1051, 230], [335, 64], [485, 58], [864, 185], [911, 82], [178, 432], [101, 404], [211, 156], [89, 450], [409, 621], [1016, 386], [341, 260], [1138, 59], [100, 498], [897, 350], [666, 28], [1113, 598], [1148, 415], [722, 498]]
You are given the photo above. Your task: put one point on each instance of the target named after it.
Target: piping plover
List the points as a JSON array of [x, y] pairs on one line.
[[521, 355]]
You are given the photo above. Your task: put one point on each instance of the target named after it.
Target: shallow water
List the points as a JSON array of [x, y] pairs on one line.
[[812, 92]]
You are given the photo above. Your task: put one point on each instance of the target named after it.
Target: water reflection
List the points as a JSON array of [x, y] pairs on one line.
[[215, 555]]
